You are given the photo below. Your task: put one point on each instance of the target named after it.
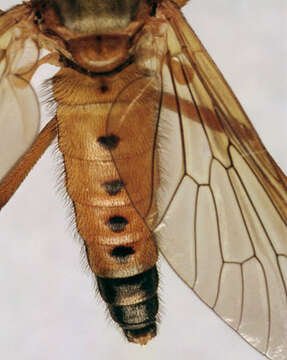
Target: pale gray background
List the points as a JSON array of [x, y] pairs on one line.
[[48, 308]]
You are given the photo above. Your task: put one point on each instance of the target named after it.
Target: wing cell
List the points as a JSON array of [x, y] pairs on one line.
[[19, 107], [208, 248], [230, 300], [254, 324]]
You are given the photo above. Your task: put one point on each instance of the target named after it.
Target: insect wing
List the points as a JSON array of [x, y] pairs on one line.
[[19, 107], [217, 200], [137, 140], [222, 198]]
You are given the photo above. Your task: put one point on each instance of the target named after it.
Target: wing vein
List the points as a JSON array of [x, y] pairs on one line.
[[170, 201], [242, 298], [195, 236], [219, 286], [179, 112], [241, 212], [217, 221], [194, 101], [263, 227], [154, 150], [250, 157]]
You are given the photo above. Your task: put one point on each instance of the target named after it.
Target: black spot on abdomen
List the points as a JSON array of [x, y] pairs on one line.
[[117, 223], [113, 187], [109, 142]]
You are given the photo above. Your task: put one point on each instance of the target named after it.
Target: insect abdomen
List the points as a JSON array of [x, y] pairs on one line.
[[118, 242]]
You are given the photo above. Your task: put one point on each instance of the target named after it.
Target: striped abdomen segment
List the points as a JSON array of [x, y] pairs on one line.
[[99, 141], [133, 303]]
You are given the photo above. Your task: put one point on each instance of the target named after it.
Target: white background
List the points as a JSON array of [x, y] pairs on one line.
[[48, 306]]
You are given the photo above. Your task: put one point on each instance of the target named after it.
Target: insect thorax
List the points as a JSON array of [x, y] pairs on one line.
[[96, 16]]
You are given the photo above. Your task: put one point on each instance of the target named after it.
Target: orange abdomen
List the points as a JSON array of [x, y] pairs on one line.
[[108, 165], [106, 138]]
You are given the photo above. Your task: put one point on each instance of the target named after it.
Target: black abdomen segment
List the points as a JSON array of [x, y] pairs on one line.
[[133, 303]]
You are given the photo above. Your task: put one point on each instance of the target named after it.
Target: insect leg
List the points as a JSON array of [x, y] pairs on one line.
[[14, 178]]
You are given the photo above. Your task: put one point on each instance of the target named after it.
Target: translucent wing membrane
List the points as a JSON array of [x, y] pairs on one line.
[[227, 213], [234, 121], [136, 149], [19, 108], [217, 200]]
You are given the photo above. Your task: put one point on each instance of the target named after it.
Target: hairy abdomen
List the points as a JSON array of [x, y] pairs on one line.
[[108, 155]]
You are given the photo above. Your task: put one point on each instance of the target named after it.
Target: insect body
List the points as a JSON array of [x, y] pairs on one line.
[[118, 243], [157, 151]]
